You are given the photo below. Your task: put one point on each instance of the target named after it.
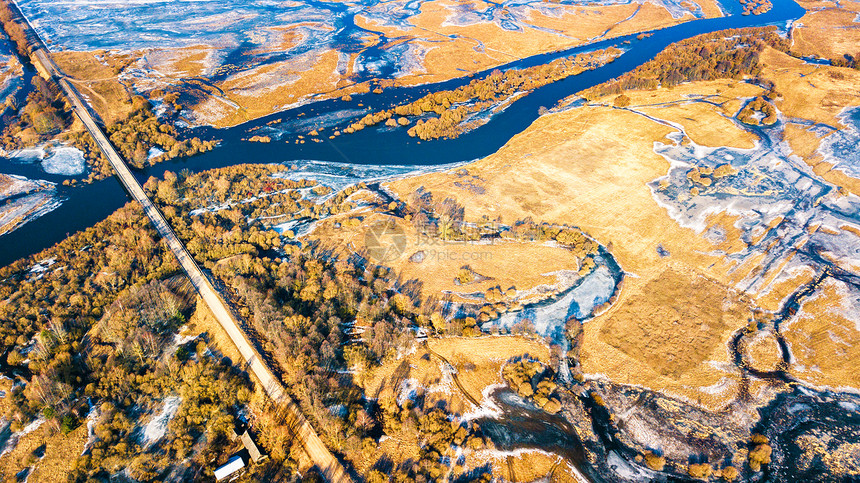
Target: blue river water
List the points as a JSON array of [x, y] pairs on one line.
[[86, 205]]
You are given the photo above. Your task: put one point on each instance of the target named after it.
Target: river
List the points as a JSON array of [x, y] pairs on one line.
[[86, 205], [798, 412]]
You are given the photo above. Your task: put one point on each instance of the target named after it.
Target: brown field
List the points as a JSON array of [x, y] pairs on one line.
[[61, 452], [762, 351], [676, 330], [569, 163], [704, 123], [97, 81], [825, 343], [203, 323], [268, 88], [487, 354], [455, 49], [523, 466], [571, 168], [501, 261], [827, 30], [817, 93]]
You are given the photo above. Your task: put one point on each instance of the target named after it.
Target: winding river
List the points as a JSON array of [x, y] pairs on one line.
[[86, 205], [800, 411]]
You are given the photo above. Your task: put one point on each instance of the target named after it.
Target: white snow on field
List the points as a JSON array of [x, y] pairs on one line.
[[15, 213], [625, 470], [43, 265], [341, 175], [13, 440], [66, 161], [157, 427], [488, 408], [19, 185]]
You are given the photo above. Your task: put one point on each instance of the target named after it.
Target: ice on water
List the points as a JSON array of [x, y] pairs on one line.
[[66, 161]]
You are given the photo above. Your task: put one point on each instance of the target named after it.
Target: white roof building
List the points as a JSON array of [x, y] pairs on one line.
[[232, 466]]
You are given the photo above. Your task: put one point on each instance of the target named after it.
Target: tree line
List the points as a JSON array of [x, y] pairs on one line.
[[449, 113], [727, 54]]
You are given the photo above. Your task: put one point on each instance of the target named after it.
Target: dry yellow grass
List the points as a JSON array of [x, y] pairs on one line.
[[61, 452], [98, 81], [825, 343], [762, 351], [450, 51], [203, 322], [803, 141], [500, 261], [676, 329], [5, 182], [454, 49], [579, 167], [827, 30], [816, 93], [525, 465], [191, 61], [478, 362], [705, 124]]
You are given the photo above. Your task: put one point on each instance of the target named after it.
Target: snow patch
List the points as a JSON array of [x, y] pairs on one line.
[[157, 427]]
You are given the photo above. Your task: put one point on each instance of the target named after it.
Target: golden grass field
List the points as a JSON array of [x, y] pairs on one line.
[[817, 93], [98, 80], [825, 338], [60, 454], [526, 466], [571, 168], [488, 354], [578, 167], [828, 29], [500, 261], [762, 351]]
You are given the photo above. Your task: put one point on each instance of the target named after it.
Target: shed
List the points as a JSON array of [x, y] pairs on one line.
[[253, 450], [233, 465]]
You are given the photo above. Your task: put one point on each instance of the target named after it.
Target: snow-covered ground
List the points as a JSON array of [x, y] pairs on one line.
[[786, 216], [249, 34], [840, 148], [341, 175], [19, 185], [11, 71], [15, 213], [156, 428], [140, 24]]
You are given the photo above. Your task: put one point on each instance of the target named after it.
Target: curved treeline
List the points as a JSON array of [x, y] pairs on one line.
[[727, 54]]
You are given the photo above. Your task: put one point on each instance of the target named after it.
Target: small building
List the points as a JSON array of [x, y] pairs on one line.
[[242, 434], [253, 450], [231, 468]]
